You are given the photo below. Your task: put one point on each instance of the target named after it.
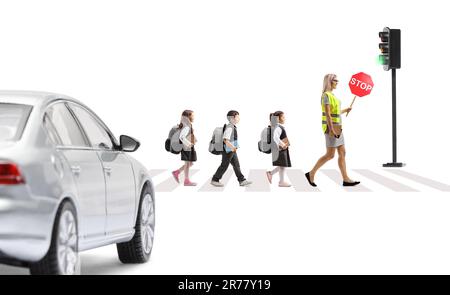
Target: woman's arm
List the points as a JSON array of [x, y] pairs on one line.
[[346, 110]]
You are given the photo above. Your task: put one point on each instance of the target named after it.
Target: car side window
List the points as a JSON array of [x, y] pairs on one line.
[[65, 126], [52, 134], [97, 135]]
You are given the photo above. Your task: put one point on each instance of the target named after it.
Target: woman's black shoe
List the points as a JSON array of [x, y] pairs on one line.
[[309, 180], [351, 183]]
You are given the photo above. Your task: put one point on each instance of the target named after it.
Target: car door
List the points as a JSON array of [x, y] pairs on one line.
[[119, 175], [85, 166]]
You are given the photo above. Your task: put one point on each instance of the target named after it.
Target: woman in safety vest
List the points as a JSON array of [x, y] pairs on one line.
[[332, 127]]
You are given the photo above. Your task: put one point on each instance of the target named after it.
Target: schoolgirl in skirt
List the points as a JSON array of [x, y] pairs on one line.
[[188, 153], [280, 149]]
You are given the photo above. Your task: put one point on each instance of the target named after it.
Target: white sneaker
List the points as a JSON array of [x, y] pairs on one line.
[[284, 184], [216, 183], [245, 183]]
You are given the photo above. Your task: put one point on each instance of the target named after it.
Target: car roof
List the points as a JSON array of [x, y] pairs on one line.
[[33, 98], [40, 99]]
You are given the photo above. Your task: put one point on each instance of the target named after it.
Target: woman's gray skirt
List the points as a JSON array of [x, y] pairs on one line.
[[332, 141]]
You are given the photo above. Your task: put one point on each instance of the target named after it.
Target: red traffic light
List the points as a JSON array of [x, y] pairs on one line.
[[384, 36]]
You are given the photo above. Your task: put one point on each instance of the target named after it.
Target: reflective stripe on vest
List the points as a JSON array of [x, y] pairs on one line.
[[335, 109], [332, 115]]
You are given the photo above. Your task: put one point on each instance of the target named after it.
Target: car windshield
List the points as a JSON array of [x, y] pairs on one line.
[[13, 118]]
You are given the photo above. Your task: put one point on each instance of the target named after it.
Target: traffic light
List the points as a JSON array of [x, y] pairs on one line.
[[390, 59], [390, 49]]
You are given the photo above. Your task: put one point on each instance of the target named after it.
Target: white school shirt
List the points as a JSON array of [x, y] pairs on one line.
[[228, 131], [276, 136], [183, 136]]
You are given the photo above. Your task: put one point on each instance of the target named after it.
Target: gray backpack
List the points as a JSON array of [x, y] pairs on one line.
[[264, 145], [216, 143], [173, 143]]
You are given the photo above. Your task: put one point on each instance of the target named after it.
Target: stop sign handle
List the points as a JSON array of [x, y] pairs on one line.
[[351, 105]]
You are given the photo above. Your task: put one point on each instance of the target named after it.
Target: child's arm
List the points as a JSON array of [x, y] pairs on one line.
[[230, 145], [227, 137], [277, 140], [183, 137]]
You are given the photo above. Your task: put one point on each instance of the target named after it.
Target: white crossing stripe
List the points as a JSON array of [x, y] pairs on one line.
[[420, 179], [259, 179], [337, 178], [385, 181], [299, 181], [208, 187]]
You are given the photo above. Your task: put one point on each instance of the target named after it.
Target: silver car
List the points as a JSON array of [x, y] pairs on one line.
[[67, 185]]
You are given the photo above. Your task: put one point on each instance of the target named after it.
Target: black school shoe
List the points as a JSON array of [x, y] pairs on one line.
[[309, 180], [350, 183]]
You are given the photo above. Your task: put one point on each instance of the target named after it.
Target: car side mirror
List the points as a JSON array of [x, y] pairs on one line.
[[128, 144]]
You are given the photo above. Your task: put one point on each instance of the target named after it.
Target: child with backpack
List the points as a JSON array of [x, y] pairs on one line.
[[229, 152], [188, 153], [280, 149]]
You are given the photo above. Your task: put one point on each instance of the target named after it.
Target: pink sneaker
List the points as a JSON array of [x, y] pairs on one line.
[[189, 183], [269, 176], [176, 175]]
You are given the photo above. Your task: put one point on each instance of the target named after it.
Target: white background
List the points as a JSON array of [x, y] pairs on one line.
[[139, 64]]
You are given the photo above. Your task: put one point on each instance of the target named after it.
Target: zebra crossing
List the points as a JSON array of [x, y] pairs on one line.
[[328, 180]]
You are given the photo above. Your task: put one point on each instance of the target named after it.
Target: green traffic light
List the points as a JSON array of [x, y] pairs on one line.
[[382, 59]]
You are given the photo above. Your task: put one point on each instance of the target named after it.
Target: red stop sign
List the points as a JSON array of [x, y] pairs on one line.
[[361, 84]]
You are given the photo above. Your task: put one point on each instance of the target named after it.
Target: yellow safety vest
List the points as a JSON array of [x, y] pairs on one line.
[[335, 108]]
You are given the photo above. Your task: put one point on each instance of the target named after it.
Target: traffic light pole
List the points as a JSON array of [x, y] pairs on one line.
[[394, 123]]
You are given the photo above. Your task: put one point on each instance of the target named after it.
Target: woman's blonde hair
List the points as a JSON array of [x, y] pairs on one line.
[[327, 80]]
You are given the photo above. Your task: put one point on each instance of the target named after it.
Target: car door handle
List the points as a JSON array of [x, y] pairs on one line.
[[76, 170], [107, 170]]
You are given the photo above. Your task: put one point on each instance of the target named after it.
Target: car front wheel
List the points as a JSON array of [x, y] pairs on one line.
[[139, 248]]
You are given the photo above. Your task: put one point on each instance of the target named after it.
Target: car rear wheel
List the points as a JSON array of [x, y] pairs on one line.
[[62, 257], [138, 249]]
